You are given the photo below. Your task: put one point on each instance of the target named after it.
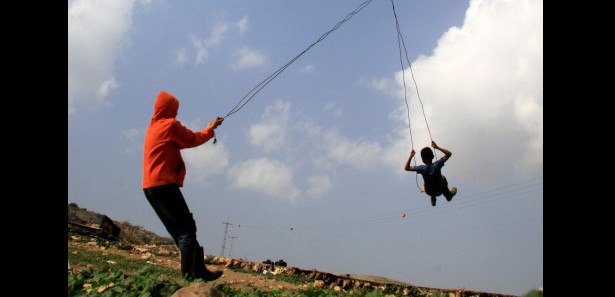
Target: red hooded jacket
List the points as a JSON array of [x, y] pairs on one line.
[[165, 137]]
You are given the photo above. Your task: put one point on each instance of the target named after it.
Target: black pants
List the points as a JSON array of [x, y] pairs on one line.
[[438, 189], [171, 208]]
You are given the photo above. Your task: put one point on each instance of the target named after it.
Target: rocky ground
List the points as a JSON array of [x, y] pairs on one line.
[[169, 257], [161, 251], [236, 276]]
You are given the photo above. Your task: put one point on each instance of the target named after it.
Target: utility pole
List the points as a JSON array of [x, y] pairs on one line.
[[224, 240], [232, 237]]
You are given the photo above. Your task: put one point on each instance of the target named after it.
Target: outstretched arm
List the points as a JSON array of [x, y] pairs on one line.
[[447, 153], [186, 138], [408, 167]]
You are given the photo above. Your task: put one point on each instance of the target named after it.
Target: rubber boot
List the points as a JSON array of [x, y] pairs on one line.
[[187, 261], [199, 267]]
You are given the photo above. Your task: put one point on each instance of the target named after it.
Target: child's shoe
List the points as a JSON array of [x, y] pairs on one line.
[[453, 192]]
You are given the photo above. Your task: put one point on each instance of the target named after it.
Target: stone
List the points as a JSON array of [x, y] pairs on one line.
[[198, 289]]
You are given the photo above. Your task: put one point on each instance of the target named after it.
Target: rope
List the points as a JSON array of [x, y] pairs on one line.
[[403, 73], [267, 80], [400, 44]]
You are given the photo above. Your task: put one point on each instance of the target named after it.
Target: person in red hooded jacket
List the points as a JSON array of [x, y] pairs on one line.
[[163, 176]]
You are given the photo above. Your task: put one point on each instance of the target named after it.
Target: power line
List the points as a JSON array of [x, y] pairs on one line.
[[470, 200]]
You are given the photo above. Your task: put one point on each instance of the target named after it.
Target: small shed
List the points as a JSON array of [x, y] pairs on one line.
[[85, 222]]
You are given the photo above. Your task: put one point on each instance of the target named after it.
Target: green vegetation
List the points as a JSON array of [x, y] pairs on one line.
[[112, 282], [309, 292], [108, 274], [106, 262], [534, 293], [114, 275], [99, 273], [138, 235]]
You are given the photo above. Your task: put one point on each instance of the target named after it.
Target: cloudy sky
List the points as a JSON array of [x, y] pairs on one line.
[[321, 147]]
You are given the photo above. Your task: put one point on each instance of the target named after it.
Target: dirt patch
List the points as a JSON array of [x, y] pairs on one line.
[[169, 257]]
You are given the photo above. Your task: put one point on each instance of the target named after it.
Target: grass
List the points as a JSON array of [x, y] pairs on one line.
[[127, 277], [114, 282], [105, 262], [533, 293], [309, 292], [108, 274]]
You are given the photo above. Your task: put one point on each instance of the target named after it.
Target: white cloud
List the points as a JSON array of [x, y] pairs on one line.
[[106, 87], [181, 56], [307, 69], [201, 51], [204, 161], [334, 109], [267, 176], [268, 137], [202, 46], [398, 150], [382, 84], [247, 58], [217, 34], [135, 139], [359, 153], [242, 25], [311, 129], [97, 31], [270, 134], [482, 91], [319, 185]]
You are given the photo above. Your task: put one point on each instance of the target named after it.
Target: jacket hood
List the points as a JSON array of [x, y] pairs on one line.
[[166, 105]]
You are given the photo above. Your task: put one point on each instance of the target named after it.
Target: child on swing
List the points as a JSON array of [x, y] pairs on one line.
[[435, 183]]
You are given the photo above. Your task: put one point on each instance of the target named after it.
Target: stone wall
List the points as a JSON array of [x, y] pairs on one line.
[[344, 282]]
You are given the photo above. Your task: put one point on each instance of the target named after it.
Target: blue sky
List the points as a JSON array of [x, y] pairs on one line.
[[321, 148]]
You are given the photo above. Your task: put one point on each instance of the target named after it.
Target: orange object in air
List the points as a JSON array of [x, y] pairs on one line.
[[165, 137]]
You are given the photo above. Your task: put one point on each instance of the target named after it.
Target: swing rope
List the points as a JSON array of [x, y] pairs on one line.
[[267, 80], [400, 44]]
